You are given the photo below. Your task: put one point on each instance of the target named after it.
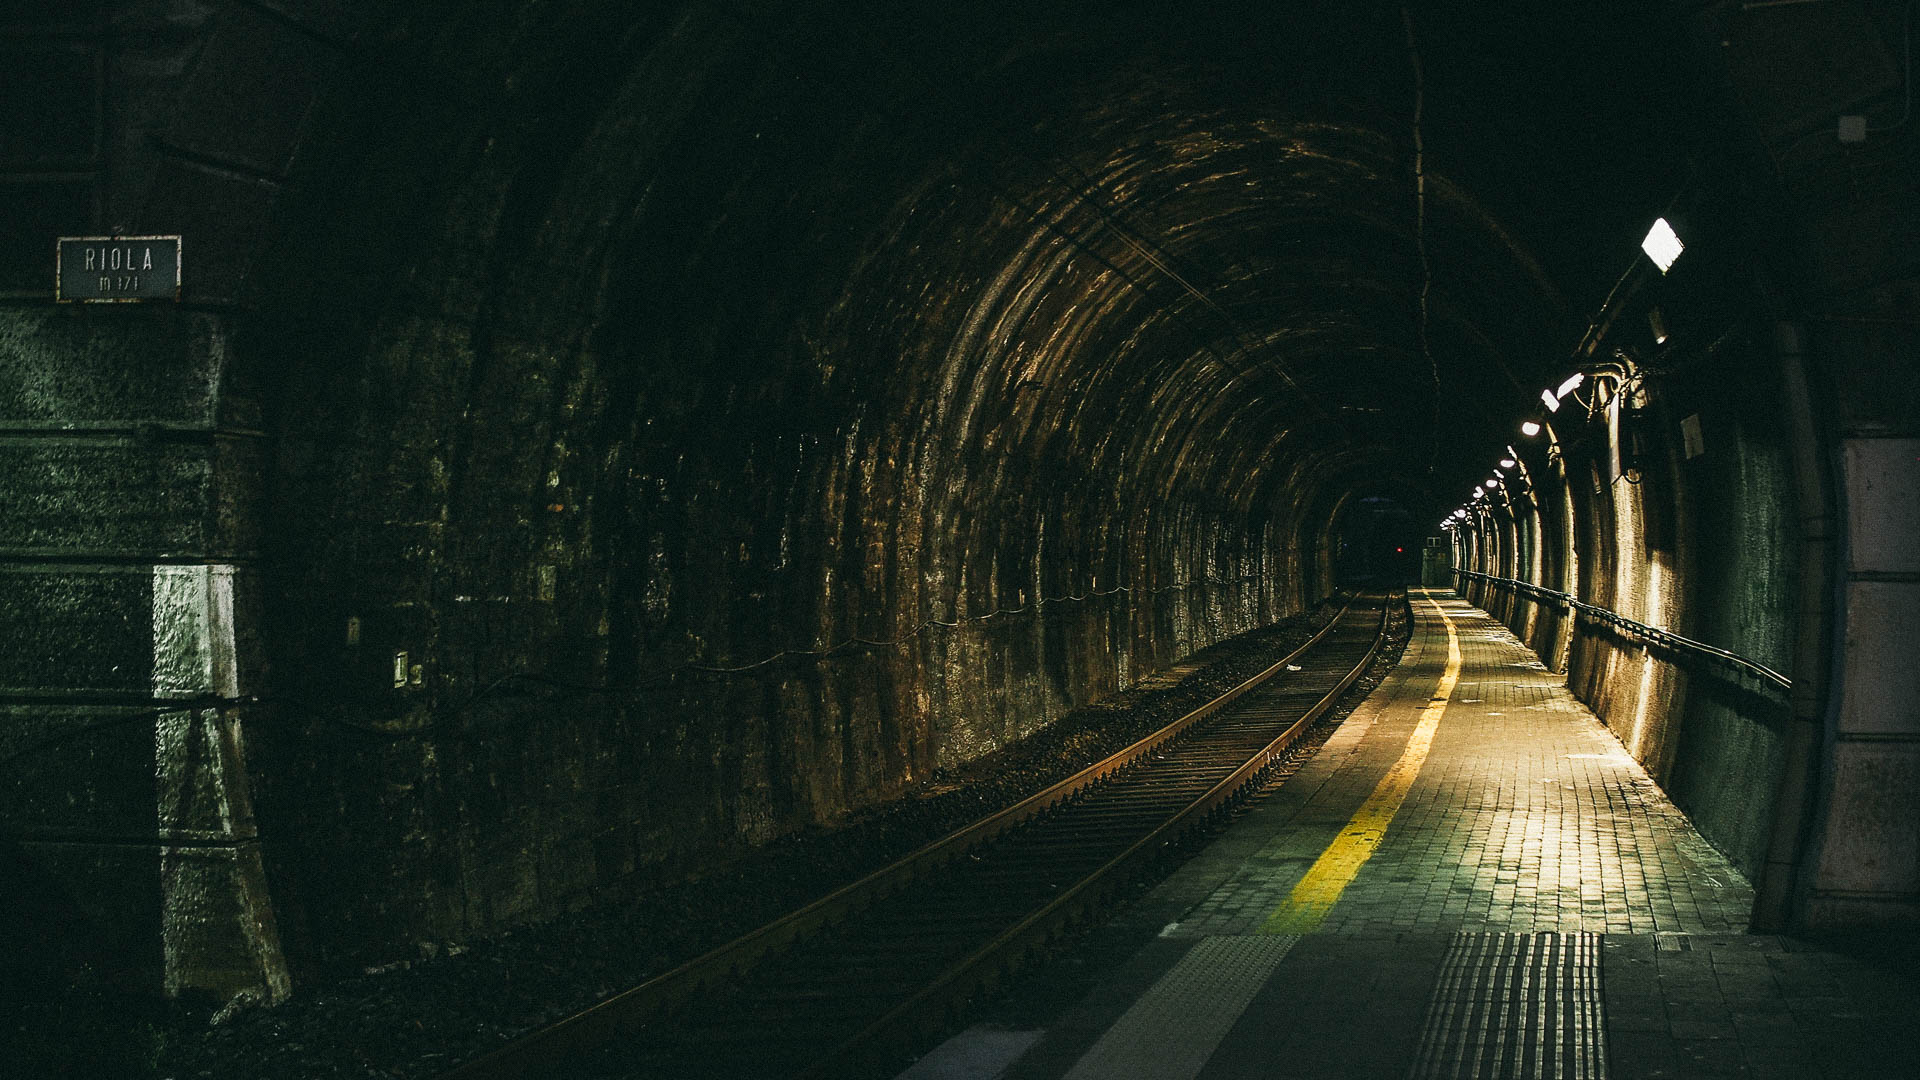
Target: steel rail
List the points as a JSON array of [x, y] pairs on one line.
[[627, 1012], [1654, 634], [867, 1050]]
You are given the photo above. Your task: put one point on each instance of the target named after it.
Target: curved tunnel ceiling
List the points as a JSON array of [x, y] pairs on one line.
[[757, 332], [1185, 232], [1219, 235]]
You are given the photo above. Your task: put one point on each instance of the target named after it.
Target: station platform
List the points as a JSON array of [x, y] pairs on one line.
[[1471, 878]]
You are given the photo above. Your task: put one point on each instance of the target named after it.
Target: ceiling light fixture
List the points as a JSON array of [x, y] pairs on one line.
[[1506, 463], [1529, 429]]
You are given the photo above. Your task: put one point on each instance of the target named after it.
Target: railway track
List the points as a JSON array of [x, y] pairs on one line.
[[844, 986]]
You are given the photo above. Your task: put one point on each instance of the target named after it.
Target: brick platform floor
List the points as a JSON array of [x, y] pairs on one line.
[[1471, 878]]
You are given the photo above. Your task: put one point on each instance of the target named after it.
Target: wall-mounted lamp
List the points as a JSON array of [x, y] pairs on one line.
[[1662, 245], [1551, 398], [1658, 324]]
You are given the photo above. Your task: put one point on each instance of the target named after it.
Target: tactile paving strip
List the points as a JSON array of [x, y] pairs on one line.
[[1175, 1026], [1516, 1005]]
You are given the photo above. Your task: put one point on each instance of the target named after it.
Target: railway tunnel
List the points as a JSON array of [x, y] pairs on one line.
[[591, 443]]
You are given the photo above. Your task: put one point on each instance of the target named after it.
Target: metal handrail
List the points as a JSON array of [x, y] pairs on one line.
[[1639, 629]]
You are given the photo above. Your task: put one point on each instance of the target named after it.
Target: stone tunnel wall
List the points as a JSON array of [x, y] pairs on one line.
[[1699, 544], [712, 496], [709, 492]]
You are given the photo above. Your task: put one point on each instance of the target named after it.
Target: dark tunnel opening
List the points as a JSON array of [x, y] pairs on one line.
[[1379, 542], [594, 442]]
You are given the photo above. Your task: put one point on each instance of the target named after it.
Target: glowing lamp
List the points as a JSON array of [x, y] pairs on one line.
[[1662, 245]]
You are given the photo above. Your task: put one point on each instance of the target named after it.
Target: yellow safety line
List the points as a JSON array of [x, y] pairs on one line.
[[1337, 866]]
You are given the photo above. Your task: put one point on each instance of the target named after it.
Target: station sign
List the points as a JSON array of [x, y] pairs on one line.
[[116, 269]]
